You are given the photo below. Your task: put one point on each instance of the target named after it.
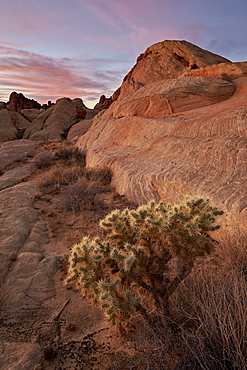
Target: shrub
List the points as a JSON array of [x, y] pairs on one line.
[[71, 155], [58, 175], [145, 255], [211, 304], [78, 196], [100, 176], [43, 159]]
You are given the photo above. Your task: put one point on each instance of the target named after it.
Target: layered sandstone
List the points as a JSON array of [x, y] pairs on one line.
[[176, 128], [166, 60]]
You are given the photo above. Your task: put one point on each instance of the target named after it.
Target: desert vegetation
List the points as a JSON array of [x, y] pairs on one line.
[[64, 171], [177, 295], [172, 281]]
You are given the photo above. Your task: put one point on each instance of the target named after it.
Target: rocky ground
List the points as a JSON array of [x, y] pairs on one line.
[[43, 324]]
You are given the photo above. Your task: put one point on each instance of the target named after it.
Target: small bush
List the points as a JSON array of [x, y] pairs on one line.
[[71, 155], [55, 177], [102, 176], [43, 160], [146, 254], [214, 307], [78, 196]]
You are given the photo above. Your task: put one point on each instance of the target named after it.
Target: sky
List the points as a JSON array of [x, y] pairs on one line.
[[84, 48]]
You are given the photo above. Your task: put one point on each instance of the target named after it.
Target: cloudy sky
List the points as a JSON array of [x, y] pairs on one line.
[[84, 48]]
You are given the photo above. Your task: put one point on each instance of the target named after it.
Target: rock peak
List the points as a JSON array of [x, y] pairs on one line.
[[165, 60]]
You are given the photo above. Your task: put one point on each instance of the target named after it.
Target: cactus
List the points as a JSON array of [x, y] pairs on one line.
[[145, 255]]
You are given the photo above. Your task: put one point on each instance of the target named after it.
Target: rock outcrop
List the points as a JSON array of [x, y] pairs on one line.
[[78, 130], [81, 110], [173, 96], [54, 122], [104, 103], [31, 114], [166, 60], [177, 127], [8, 131], [18, 101], [12, 125]]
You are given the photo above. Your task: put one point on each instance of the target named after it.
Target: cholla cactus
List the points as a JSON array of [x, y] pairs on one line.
[[146, 254]]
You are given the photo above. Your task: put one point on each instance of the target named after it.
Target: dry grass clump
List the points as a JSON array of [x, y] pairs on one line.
[[210, 306], [43, 159], [71, 155], [57, 176], [100, 177], [78, 196], [231, 251]]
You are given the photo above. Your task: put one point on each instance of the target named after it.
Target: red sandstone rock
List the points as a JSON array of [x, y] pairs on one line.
[[19, 102], [104, 103], [166, 60], [165, 154]]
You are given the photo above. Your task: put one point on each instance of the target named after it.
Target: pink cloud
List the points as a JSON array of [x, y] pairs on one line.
[[44, 78]]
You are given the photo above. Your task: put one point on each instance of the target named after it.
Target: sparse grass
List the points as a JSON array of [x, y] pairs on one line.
[[102, 176], [43, 160], [210, 306], [57, 176], [78, 196], [71, 155]]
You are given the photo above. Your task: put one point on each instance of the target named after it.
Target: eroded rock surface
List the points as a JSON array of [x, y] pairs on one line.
[[35, 306], [8, 131], [53, 123], [183, 134], [173, 96], [166, 60]]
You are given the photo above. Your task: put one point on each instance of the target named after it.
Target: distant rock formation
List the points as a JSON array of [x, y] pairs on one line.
[[103, 103], [177, 126], [18, 101]]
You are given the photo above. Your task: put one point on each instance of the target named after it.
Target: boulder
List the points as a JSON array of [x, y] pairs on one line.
[[80, 108], [166, 60], [31, 114], [78, 130], [54, 122], [16, 151], [103, 103], [8, 131], [177, 135]]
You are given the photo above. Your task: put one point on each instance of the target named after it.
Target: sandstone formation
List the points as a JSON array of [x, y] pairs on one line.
[[18, 101], [173, 96], [54, 122], [81, 111], [36, 310], [16, 151], [31, 114], [78, 130], [8, 131], [103, 103], [178, 127], [165, 60]]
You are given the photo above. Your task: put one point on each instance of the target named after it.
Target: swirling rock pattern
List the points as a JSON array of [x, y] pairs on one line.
[[179, 135]]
